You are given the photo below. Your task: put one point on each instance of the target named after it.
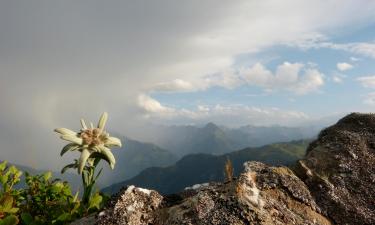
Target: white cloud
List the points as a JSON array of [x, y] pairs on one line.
[[227, 79], [294, 77], [367, 81], [258, 75], [369, 99], [230, 115], [354, 59], [337, 79], [343, 66], [151, 105], [176, 85], [361, 48], [366, 49]]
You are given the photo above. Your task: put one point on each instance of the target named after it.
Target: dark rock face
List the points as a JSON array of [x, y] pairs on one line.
[[334, 184], [339, 170], [261, 195]]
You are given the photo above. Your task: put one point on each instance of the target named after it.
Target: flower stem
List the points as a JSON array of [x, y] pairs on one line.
[[88, 183]]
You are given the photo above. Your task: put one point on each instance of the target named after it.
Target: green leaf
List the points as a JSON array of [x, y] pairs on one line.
[[7, 203], [98, 174], [47, 176], [69, 166], [75, 196], [27, 218], [85, 177], [69, 147], [57, 187], [3, 165], [64, 217], [9, 220], [18, 174], [3, 179], [12, 210], [13, 170], [95, 201], [96, 161]]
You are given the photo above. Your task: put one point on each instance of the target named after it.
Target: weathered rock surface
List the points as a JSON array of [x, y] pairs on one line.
[[132, 206], [333, 184], [339, 170], [261, 195]]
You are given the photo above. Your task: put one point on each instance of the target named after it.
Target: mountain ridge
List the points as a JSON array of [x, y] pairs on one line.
[[215, 139], [199, 168]]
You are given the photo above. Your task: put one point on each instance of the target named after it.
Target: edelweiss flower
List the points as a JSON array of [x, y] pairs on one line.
[[91, 142]]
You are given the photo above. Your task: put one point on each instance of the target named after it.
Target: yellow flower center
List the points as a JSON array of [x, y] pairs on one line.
[[93, 137]]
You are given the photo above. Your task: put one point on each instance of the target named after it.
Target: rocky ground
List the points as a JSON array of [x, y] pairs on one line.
[[333, 184]]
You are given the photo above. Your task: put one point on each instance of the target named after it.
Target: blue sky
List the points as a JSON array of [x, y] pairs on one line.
[[341, 92]]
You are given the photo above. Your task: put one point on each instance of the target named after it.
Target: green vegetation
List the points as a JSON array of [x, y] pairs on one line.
[[9, 176], [45, 200]]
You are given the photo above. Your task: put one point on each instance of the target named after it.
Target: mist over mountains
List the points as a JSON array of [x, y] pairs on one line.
[[200, 168], [163, 146], [215, 139], [171, 143], [134, 157]]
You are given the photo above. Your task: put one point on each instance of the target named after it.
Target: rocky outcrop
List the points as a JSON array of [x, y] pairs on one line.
[[339, 170], [132, 206], [333, 184], [261, 195]]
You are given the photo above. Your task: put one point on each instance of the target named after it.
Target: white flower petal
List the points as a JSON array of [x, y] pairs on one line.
[[108, 154], [82, 160], [102, 121], [65, 131], [72, 138], [83, 124], [113, 141]]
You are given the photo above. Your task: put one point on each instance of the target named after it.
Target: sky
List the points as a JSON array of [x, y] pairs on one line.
[[269, 62]]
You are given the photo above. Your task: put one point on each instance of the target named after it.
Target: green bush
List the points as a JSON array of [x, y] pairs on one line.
[[50, 201], [43, 201], [9, 198]]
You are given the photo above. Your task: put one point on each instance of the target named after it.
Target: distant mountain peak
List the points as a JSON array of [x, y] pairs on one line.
[[211, 126]]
